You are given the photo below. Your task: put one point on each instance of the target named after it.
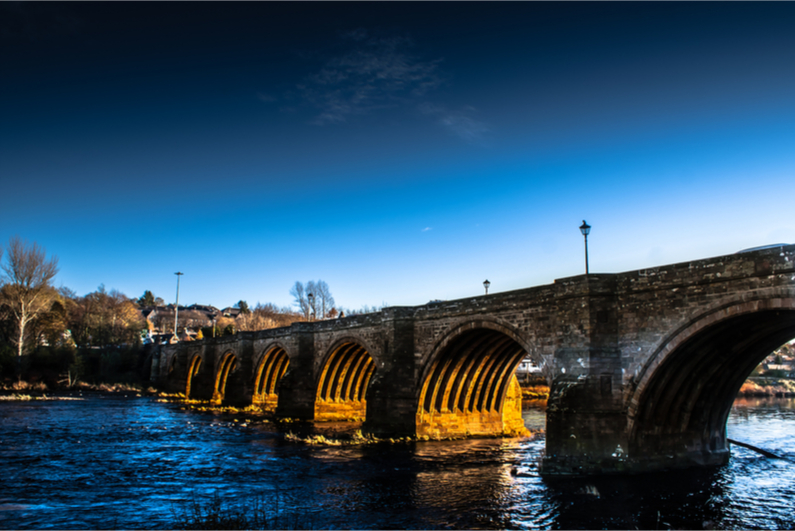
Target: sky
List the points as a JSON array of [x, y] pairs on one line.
[[401, 152]]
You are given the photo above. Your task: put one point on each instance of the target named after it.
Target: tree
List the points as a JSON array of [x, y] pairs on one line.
[[324, 302], [321, 301], [27, 274], [147, 300], [243, 306], [297, 291], [105, 318]]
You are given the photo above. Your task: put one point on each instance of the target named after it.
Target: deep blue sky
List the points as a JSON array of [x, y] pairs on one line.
[[401, 152]]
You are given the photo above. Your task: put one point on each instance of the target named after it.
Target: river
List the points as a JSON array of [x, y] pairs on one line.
[[111, 462]]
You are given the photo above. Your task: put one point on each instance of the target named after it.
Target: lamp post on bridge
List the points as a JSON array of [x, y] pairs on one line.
[[176, 307], [486, 285], [311, 299], [585, 229]]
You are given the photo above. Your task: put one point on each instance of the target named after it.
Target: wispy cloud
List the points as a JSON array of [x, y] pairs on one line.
[[461, 123], [426, 229], [373, 73]]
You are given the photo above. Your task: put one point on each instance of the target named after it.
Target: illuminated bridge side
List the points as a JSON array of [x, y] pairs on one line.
[[642, 365]]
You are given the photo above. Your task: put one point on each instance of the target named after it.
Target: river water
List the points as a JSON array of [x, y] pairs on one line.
[[108, 462]]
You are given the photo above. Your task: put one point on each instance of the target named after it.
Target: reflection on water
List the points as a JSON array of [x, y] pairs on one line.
[[110, 462]]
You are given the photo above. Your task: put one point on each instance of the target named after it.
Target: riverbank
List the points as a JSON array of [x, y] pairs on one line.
[[39, 389], [535, 389], [768, 387]]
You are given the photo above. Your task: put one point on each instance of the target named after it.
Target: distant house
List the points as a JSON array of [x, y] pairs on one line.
[[195, 316], [230, 312], [527, 370], [211, 312]]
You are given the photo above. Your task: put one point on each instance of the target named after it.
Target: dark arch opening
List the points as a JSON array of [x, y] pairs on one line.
[[270, 370], [685, 404], [342, 386], [467, 387], [227, 365]]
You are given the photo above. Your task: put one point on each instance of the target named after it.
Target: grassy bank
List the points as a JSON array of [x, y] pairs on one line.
[[38, 389]]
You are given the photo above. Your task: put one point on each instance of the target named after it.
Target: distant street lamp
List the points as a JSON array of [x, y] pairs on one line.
[[486, 285], [311, 299], [585, 229], [213, 327], [176, 309]]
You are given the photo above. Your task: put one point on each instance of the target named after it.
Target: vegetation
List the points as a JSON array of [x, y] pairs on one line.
[[60, 339], [265, 511]]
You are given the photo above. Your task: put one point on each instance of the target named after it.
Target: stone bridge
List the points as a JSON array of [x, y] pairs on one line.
[[643, 366]]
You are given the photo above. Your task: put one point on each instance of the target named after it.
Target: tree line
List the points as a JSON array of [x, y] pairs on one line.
[[56, 330]]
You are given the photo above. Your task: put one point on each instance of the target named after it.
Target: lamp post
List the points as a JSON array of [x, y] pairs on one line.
[[486, 285], [176, 308], [585, 229], [311, 299]]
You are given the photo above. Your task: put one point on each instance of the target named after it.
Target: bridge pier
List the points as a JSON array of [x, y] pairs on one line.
[[297, 388], [586, 429], [391, 398]]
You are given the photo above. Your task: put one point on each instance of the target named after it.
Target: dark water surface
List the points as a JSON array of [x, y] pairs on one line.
[[115, 462]]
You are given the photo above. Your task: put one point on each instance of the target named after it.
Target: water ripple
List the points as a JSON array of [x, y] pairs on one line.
[[106, 463]]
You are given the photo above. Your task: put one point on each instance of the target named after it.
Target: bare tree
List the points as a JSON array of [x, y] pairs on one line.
[[27, 291], [324, 302], [297, 291], [320, 303]]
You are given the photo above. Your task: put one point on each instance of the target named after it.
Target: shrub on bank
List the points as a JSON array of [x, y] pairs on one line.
[[762, 387]]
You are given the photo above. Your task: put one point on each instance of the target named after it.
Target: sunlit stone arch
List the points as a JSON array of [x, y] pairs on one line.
[[343, 378], [468, 386], [193, 369], [227, 363], [270, 367]]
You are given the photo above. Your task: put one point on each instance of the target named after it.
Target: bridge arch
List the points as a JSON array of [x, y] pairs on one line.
[[227, 364], [193, 369], [270, 369], [468, 386], [345, 374], [685, 391]]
